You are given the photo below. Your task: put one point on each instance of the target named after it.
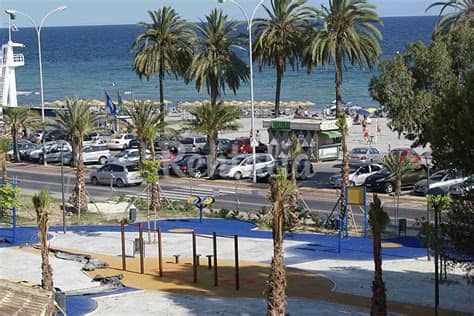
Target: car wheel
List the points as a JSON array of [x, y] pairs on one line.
[[119, 183], [102, 160], [238, 175], [197, 174], [40, 159], [94, 181], [388, 187]]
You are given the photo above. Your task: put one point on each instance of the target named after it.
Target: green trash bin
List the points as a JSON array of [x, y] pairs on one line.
[[132, 215], [402, 227]]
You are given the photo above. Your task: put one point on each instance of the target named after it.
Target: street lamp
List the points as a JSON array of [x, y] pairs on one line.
[[252, 119], [38, 33]]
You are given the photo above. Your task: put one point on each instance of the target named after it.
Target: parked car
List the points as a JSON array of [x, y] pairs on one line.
[[97, 138], [22, 145], [55, 152], [304, 169], [128, 155], [163, 143], [119, 174], [120, 141], [193, 144], [34, 153], [442, 179], [192, 165], [242, 146], [222, 144], [462, 189], [56, 134], [357, 176], [241, 166], [407, 152], [96, 153], [384, 181], [364, 155]]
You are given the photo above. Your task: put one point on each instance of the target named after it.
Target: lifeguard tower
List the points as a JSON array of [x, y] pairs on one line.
[[9, 62]]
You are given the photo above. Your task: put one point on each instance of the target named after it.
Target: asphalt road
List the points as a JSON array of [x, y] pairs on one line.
[[230, 194]]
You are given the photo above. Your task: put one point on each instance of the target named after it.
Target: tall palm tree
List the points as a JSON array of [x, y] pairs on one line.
[[143, 118], [210, 120], [4, 142], [461, 15], [397, 166], [78, 120], [344, 129], [17, 118], [349, 35], [166, 47], [280, 194], [280, 38], [216, 65], [378, 220], [41, 202]]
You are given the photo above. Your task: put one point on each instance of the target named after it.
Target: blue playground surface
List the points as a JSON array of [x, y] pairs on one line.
[[318, 246]]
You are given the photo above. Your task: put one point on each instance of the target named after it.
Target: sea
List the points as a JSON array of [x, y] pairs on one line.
[[85, 61]]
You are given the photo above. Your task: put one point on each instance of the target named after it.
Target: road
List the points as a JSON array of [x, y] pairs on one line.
[[230, 194]]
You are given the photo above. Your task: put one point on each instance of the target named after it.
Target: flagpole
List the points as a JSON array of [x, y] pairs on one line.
[[9, 28]]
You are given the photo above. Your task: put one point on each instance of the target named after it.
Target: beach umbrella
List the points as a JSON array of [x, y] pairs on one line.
[[363, 112], [372, 110]]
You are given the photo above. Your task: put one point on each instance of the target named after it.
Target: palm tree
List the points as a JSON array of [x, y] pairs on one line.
[[4, 144], [41, 202], [150, 134], [344, 129], [349, 35], [166, 47], [144, 118], [210, 120], [78, 120], [378, 220], [281, 194], [462, 14], [280, 38], [397, 166], [17, 118], [216, 65]]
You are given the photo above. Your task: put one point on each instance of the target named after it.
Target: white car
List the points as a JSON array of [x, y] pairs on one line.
[[128, 155], [35, 153], [357, 177], [241, 166], [96, 153], [121, 141]]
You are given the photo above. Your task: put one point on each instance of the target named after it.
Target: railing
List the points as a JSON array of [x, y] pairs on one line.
[[18, 58]]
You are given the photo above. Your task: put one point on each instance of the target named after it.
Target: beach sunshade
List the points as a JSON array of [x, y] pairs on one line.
[[363, 112], [371, 110]]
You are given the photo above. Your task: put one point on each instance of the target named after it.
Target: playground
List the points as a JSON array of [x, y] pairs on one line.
[[318, 275]]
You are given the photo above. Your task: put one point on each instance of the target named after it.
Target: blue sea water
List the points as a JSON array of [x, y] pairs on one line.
[[84, 61]]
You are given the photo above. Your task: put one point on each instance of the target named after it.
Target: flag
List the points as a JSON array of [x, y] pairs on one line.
[[119, 102], [110, 104]]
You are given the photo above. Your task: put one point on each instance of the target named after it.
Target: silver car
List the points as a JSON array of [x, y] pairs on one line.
[[364, 155], [118, 174], [193, 144]]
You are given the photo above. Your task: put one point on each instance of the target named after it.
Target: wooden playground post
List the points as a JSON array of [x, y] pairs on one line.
[[122, 236], [194, 259], [160, 254], [237, 276], [140, 236], [214, 242]]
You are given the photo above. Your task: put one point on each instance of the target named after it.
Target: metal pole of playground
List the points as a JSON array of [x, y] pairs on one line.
[[214, 243], [122, 237], [62, 189], [140, 236], [160, 254]]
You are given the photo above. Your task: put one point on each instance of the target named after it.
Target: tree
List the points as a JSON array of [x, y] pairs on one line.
[[461, 16], [166, 47], [397, 166], [349, 34], [41, 202], [18, 118], [143, 118], [344, 129], [149, 172], [210, 120], [280, 38], [4, 147], [281, 193], [78, 120], [378, 220], [216, 65]]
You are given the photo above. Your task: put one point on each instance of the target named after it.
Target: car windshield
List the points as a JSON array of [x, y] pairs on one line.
[[358, 151], [132, 168], [237, 160], [186, 141], [122, 154], [438, 176]]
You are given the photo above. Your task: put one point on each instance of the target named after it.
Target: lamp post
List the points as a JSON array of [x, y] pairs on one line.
[[252, 118], [38, 29], [62, 188]]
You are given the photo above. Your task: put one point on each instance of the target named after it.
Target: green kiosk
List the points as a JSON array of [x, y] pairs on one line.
[[320, 138]]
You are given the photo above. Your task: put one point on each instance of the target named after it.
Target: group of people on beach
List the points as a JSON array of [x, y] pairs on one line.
[[365, 130]]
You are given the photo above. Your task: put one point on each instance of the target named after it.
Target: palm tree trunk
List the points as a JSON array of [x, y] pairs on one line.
[[79, 197], [75, 153], [142, 149], [276, 284], [338, 82], [345, 172], [46, 271], [279, 73], [155, 187], [211, 140], [4, 167], [16, 154], [379, 304], [214, 89], [162, 94]]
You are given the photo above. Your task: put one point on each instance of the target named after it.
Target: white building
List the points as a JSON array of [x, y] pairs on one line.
[[9, 62]]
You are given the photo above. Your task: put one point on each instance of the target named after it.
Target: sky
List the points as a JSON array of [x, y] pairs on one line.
[[103, 12]]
